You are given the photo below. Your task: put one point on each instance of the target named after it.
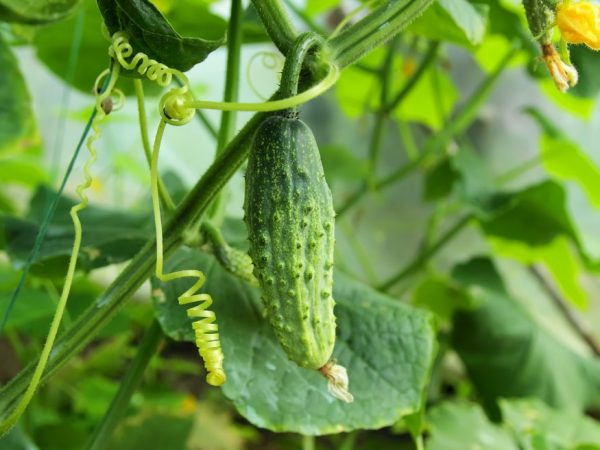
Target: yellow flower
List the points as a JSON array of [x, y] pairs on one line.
[[579, 23]]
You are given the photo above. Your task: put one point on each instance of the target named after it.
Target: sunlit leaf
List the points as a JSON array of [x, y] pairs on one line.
[[149, 32], [457, 21], [18, 131], [387, 348], [36, 11]]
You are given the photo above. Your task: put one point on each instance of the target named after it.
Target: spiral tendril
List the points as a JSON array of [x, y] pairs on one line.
[[74, 212], [206, 331], [121, 49], [270, 61]]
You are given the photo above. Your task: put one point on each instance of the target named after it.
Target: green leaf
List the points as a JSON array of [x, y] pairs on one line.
[[340, 164], [387, 348], [189, 17], [526, 424], [564, 160], [315, 7], [588, 65], [36, 11], [559, 259], [439, 181], [535, 215], [51, 43], [532, 420], [16, 439], [18, 132], [149, 32], [457, 21], [109, 236], [22, 170], [509, 353], [461, 426], [578, 106], [431, 101], [441, 296]]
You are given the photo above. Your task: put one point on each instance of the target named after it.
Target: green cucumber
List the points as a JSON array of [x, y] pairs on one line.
[[290, 219]]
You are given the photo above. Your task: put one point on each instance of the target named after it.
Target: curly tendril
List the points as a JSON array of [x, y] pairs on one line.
[[206, 331], [121, 50], [12, 419], [270, 61]]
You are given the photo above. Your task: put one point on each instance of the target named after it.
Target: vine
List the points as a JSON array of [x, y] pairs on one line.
[[101, 114]]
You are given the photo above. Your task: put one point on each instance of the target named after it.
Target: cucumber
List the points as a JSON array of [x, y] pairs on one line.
[[290, 219], [540, 18]]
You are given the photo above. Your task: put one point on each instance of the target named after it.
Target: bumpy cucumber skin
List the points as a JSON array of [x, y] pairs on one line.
[[290, 219], [540, 17]]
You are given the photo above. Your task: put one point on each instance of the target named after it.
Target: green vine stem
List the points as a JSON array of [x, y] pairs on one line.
[[165, 198], [379, 26], [232, 85], [48, 215], [146, 350], [187, 214], [277, 22], [452, 127], [140, 268], [427, 60], [427, 254], [378, 132], [202, 117], [291, 76]]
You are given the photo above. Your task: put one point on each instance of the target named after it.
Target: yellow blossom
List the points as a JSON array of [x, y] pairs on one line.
[[579, 23]]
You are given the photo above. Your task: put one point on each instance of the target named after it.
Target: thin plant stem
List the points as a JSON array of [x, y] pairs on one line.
[[277, 23], [427, 254], [49, 214], [127, 387], [305, 18], [579, 328], [416, 76], [212, 130], [381, 116], [349, 442], [408, 140], [66, 93], [231, 94], [308, 442], [452, 127], [359, 253], [165, 198]]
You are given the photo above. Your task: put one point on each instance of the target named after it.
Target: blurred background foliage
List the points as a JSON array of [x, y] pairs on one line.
[[466, 186]]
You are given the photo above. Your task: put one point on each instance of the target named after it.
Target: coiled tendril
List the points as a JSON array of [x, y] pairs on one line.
[[206, 331], [74, 212]]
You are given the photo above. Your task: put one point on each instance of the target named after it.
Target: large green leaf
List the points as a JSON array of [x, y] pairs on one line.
[[16, 439], [435, 92], [508, 352], [588, 64], [386, 346], [534, 422], [35, 11], [151, 33], [52, 44], [462, 426], [457, 21], [526, 425], [109, 236], [18, 131], [535, 215]]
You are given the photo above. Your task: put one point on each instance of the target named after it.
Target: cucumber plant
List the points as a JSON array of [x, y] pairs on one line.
[[276, 305]]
